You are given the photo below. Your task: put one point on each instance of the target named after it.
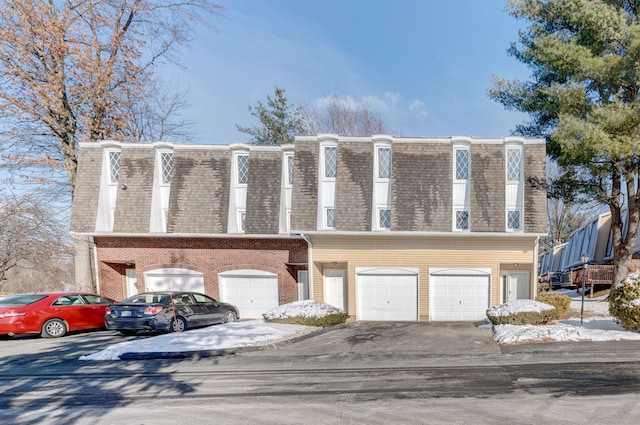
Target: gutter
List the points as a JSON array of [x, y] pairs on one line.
[[309, 264]]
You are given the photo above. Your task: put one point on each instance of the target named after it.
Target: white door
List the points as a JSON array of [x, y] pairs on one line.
[[174, 280], [303, 285], [253, 294], [458, 297], [518, 286], [335, 288], [132, 282], [389, 296]]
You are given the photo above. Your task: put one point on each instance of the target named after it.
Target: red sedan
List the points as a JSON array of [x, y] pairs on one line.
[[52, 314]]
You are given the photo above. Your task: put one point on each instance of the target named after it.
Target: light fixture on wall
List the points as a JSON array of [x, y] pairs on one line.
[[123, 186]]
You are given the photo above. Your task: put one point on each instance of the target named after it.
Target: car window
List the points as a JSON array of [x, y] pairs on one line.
[[183, 299], [147, 299], [203, 298], [96, 299], [69, 300], [25, 299]]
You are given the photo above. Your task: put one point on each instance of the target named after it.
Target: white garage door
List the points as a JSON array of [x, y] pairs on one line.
[[459, 297], [387, 294], [254, 292], [174, 280]]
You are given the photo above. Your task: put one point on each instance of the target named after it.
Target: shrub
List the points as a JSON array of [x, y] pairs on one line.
[[522, 312], [624, 302], [307, 313], [325, 321], [562, 303]]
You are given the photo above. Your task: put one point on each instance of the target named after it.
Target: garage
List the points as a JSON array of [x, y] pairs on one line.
[[459, 295], [173, 279], [254, 292], [387, 294]]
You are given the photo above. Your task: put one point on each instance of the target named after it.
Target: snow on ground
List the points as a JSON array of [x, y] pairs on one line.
[[597, 325], [224, 336]]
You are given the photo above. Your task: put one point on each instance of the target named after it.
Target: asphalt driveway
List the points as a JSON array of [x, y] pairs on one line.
[[391, 340]]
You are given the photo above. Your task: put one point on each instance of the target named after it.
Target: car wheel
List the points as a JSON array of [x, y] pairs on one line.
[[178, 325], [128, 331], [229, 316], [54, 328]]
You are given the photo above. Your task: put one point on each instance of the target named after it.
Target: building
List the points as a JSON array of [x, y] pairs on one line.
[[386, 228]]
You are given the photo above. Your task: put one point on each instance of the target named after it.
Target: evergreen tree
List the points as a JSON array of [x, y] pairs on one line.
[[583, 97], [280, 122]]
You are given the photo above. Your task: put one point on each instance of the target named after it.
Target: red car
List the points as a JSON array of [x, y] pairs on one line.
[[52, 314]]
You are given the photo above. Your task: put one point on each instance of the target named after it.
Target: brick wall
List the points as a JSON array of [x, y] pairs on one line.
[[207, 256]]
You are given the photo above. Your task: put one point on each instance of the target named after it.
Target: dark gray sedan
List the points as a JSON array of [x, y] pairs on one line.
[[168, 311]]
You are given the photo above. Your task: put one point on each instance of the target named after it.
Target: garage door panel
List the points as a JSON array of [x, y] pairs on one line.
[[253, 295], [387, 297], [457, 297]]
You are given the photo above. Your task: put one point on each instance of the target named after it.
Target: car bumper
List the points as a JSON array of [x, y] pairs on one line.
[[136, 324]]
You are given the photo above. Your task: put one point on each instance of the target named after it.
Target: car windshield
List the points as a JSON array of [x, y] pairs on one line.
[[22, 299], [146, 299]]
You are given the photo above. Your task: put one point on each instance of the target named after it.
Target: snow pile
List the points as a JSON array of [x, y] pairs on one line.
[[306, 308], [518, 306], [217, 337]]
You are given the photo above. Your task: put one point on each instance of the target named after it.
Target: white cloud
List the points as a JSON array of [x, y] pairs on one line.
[[418, 106]]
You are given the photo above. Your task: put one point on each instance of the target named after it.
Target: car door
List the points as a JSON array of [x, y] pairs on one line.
[[71, 308], [95, 309], [212, 309], [187, 307]]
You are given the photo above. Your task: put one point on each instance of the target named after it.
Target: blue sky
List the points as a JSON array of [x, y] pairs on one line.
[[424, 64]]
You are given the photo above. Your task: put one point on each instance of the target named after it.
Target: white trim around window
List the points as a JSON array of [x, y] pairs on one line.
[[383, 164], [514, 220], [384, 218], [330, 218], [461, 220], [461, 164], [329, 162], [242, 216], [241, 169]]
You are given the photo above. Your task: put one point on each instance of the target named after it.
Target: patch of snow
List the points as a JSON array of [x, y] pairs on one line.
[[518, 306], [306, 308]]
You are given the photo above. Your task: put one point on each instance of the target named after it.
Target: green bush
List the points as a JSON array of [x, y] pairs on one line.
[[526, 318], [325, 321], [624, 302], [562, 303]]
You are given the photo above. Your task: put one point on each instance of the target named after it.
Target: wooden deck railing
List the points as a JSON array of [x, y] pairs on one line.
[[596, 275]]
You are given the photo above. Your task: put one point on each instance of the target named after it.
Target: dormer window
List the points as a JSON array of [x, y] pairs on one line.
[[514, 165], [330, 162], [114, 166], [384, 163], [166, 162], [243, 169], [462, 164]]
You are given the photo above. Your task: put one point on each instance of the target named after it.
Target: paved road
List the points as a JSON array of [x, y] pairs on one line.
[[359, 374]]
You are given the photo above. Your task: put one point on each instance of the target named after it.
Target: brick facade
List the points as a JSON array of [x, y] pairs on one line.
[[208, 256]]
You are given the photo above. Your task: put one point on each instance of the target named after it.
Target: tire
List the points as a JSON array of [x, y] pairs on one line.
[[229, 316], [128, 332], [178, 325], [54, 328]]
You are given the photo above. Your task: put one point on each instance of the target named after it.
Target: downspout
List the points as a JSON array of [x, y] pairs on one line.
[[536, 250], [95, 265], [309, 265]]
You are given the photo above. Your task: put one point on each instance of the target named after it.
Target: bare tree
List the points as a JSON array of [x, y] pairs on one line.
[[344, 117], [73, 71], [84, 70], [31, 237]]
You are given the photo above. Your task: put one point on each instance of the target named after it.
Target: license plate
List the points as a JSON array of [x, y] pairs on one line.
[[125, 314]]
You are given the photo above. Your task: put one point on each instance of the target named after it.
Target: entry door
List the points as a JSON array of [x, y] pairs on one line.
[[518, 286], [132, 282], [335, 288]]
